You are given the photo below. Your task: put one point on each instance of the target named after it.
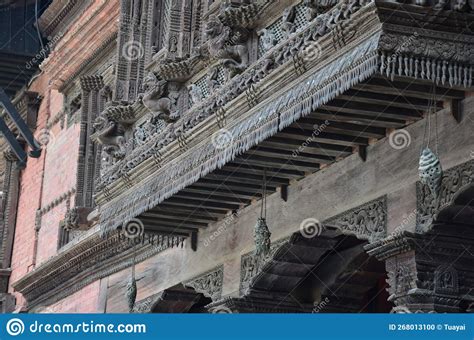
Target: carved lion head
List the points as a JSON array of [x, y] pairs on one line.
[[214, 27]]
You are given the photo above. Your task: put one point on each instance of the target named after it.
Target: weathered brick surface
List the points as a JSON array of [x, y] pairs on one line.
[[46, 179], [85, 300]]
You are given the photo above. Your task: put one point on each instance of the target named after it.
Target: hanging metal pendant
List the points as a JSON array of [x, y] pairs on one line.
[[131, 293], [262, 237], [430, 171]]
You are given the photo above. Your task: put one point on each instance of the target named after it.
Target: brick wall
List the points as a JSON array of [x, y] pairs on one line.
[[85, 300], [48, 178]]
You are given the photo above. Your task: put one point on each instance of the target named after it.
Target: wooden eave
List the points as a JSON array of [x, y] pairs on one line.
[[359, 114]]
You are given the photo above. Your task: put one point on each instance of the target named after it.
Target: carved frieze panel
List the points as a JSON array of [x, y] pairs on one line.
[[146, 305], [416, 43], [453, 181], [368, 221], [208, 284]]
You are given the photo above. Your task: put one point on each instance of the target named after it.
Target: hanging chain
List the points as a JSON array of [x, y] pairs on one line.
[[263, 208]]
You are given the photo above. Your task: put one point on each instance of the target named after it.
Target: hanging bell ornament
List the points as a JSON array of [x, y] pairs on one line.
[[131, 293], [430, 171], [262, 237]]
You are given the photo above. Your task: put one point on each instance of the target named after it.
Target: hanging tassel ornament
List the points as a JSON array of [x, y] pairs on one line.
[[261, 232], [430, 171], [132, 288]]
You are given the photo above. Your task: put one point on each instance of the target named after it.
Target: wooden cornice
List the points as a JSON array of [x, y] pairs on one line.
[[78, 264]]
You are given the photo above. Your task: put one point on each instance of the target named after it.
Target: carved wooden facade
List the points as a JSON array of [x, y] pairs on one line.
[[204, 98]]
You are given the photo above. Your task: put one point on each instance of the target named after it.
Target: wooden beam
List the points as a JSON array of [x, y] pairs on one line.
[[358, 119], [394, 100], [323, 137], [372, 110], [330, 150], [407, 88], [210, 197], [275, 163], [224, 207], [176, 217], [346, 129], [233, 185]]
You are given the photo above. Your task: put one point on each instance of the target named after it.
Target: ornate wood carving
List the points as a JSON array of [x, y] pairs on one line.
[[208, 284], [251, 265], [453, 181], [89, 153], [368, 221], [90, 258], [8, 212], [265, 117]]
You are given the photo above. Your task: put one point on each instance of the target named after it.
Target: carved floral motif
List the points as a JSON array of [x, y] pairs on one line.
[[368, 221], [209, 284]]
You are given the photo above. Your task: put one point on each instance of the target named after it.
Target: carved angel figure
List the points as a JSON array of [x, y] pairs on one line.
[[157, 99]]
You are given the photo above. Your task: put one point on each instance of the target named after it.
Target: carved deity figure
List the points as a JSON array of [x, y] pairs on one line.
[[195, 93], [288, 19], [212, 80], [111, 135], [268, 39], [227, 45], [158, 99]]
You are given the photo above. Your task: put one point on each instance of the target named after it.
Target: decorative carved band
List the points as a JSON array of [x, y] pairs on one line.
[[209, 284], [78, 265], [368, 221]]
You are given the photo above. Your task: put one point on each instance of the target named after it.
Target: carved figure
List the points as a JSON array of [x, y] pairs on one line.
[[195, 93], [289, 16], [157, 98], [268, 39], [212, 79], [111, 135], [227, 46]]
